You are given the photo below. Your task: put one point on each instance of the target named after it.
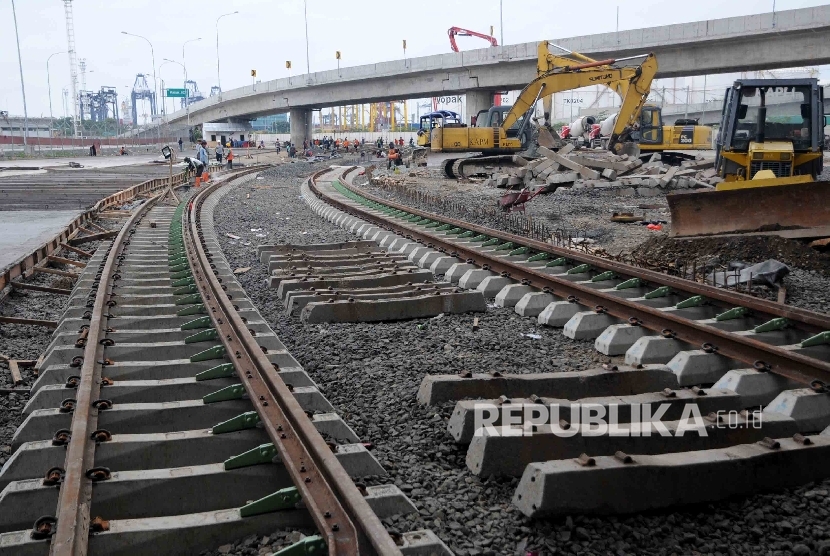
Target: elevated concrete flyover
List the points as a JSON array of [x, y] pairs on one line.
[[787, 38]]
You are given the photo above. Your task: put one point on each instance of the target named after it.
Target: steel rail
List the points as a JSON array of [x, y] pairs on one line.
[[71, 532], [341, 514], [795, 366]]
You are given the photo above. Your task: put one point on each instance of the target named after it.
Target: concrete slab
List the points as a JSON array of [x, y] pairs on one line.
[[21, 232], [471, 279], [436, 389], [587, 325], [492, 285], [653, 482], [511, 294], [558, 313], [532, 304], [617, 338]]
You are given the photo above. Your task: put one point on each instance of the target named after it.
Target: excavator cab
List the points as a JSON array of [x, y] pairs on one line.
[[651, 126], [439, 118]]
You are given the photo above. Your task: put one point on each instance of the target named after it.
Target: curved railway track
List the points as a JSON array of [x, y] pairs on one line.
[[168, 418], [755, 371]]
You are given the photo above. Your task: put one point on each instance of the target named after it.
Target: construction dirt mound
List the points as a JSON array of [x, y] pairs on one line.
[[718, 252]]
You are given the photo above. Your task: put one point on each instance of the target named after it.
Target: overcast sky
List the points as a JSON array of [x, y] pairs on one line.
[[265, 33]]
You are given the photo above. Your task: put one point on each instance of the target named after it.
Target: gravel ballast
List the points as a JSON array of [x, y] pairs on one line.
[[371, 373]]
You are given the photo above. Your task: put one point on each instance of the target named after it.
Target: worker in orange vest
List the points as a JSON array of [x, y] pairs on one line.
[[230, 158], [393, 157]]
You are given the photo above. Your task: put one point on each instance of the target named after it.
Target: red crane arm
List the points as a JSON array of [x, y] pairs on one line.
[[453, 31]]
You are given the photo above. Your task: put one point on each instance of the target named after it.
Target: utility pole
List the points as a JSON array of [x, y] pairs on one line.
[[22, 86], [49, 86], [218, 75], [305, 14], [73, 65], [501, 22]]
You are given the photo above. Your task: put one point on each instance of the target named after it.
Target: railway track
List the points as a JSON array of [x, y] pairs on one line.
[[168, 418], [755, 372]]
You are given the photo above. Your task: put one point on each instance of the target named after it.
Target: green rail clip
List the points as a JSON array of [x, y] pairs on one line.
[[309, 546], [188, 299], [181, 274], [607, 275], [734, 313], [186, 290], [817, 340], [628, 284], [444, 227], [505, 246], [662, 291], [467, 234], [480, 237], [519, 251], [264, 453], [454, 231], [224, 370], [215, 352], [775, 324], [180, 267], [198, 309], [581, 269], [491, 242], [694, 301], [232, 392], [433, 224], [201, 322], [561, 261], [189, 281], [538, 257], [240, 422], [283, 499], [203, 336]]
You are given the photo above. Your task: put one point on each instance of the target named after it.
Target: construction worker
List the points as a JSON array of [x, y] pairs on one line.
[[356, 145], [181, 145], [195, 164], [393, 157], [202, 154], [230, 158], [400, 141], [220, 151]]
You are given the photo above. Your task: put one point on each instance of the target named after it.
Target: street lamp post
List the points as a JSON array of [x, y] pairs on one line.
[[49, 86], [155, 84], [218, 76], [22, 86], [186, 103], [305, 14], [184, 67]]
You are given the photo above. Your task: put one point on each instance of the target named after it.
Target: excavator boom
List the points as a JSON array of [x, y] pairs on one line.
[[634, 80]]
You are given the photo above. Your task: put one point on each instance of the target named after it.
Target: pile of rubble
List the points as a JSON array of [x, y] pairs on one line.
[[584, 168]]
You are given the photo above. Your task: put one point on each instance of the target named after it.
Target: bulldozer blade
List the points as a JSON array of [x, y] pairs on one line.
[[794, 208]]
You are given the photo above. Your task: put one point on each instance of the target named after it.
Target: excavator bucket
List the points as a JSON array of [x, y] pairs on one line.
[[798, 210]]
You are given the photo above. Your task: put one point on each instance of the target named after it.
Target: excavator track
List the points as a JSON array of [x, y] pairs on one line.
[[463, 168]]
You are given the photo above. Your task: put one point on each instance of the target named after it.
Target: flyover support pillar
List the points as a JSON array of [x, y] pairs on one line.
[[299, 120], [476, 101]]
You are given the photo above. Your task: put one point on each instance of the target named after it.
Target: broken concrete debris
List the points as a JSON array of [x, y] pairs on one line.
[[586, 168]]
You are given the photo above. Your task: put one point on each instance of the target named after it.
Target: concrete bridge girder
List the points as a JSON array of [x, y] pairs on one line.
[[788, 38]]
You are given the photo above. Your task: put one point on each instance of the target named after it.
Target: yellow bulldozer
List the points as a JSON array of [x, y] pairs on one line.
[[770, 154]]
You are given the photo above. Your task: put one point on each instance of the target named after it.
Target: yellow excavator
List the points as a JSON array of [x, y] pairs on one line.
[[560, 74], [505, 130], [770, 154]]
